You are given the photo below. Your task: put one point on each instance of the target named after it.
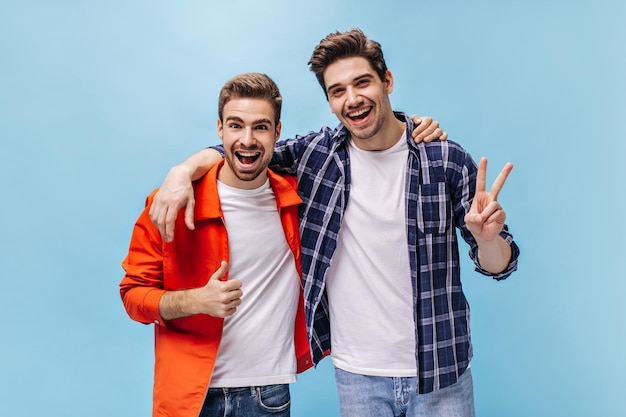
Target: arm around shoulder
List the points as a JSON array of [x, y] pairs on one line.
[[176, 192], [289, 153]]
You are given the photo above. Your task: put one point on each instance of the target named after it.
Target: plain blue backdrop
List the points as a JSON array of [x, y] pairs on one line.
[[99, 99]]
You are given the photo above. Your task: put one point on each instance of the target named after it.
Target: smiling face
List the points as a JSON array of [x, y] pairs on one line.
[[249, 132], [360, 100]]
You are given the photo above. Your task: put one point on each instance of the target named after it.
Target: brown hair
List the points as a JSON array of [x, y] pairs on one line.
[[251, 85], [338, 45]]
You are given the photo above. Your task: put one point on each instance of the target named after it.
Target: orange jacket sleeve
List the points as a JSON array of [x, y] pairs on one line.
[[142, 286]]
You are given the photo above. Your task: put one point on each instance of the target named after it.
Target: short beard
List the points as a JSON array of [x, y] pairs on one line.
[[371, 132], [246, 175]]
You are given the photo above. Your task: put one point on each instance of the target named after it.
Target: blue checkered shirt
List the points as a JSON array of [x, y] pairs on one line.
[[440, 185]]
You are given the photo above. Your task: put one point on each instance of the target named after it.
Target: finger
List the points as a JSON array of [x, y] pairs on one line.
[[189, 209], [490, 209], [422, 124], [500, 180], [481, 176], [231, 286], [433, 136], [223, 311], [166, 225], [424, 129], [416, 119], [228, 312], [429, 134], [159, 221], [230, 307], [155, 213], [226, 297], [221, 271], [444, 136], [498, 216], [235, 294], [234, 304], [473, 221]]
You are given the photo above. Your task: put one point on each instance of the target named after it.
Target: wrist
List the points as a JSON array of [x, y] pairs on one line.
[[189, 302], [494, 255], [182, 170], [486, 244]]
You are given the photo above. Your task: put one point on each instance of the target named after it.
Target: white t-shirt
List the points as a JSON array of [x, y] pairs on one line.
[[369, 285], [257, 346]]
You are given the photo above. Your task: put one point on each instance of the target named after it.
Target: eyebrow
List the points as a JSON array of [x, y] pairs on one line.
[[254, 122], [360, 77]]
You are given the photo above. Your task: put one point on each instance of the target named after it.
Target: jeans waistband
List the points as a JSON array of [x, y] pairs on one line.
[[227, 390]]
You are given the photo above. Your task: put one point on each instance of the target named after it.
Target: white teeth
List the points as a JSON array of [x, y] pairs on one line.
[[358, 113]]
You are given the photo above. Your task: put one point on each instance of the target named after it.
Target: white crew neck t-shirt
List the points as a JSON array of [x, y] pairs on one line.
[[369, 281], [257, 346]]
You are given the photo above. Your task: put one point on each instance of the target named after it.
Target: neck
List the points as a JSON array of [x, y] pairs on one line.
[[228, 177], [385, 138]]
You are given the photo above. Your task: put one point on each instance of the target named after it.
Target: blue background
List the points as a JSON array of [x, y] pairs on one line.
[[99, 99]]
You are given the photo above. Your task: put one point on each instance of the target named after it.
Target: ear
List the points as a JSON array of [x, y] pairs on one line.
[[220, 129], [388, 82], [279, 126]]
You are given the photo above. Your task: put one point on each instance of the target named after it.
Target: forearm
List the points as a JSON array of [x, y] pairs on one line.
[[494, 256], [177, 304], [198, 164], [287, 153]]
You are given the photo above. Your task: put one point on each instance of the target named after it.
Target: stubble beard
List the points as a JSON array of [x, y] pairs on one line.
[[246, 175], [368, 133]]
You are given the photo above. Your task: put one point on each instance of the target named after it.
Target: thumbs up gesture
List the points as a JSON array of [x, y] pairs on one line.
[[219, 298]]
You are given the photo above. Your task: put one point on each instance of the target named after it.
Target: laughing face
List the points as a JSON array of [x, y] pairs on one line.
[[360, 100], [249, 133]]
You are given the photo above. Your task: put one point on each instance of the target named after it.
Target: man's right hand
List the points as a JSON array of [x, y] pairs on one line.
[[175, 193], [219, 298]]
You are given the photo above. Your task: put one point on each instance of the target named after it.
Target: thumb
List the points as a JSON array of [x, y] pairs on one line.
[[416, 119], [221, 271], [473, 218]]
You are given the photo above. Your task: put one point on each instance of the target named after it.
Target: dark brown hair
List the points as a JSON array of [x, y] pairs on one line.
[[338, 45], [251, 85]]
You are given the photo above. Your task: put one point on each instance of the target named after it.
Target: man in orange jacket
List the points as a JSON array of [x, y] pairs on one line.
[[226, 298]]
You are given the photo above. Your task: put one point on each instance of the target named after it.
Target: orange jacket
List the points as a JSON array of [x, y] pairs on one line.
[[185, 349]]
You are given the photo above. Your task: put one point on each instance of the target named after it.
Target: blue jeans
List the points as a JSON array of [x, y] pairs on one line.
[[363, 395], [268, 400]]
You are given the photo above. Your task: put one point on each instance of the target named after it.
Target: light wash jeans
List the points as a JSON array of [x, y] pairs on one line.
[[263, 401], [376, 396]]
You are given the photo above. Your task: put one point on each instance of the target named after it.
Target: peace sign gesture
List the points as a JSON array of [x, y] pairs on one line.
[[486, 217]]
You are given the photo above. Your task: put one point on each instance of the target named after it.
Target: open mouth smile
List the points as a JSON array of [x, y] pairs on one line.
[[247, 157], [360, 114]]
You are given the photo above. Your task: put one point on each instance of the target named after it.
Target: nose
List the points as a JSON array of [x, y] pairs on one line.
[[352, 97], [247, 138]]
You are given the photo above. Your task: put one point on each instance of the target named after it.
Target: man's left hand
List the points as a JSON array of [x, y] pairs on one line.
[[486, 216]]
